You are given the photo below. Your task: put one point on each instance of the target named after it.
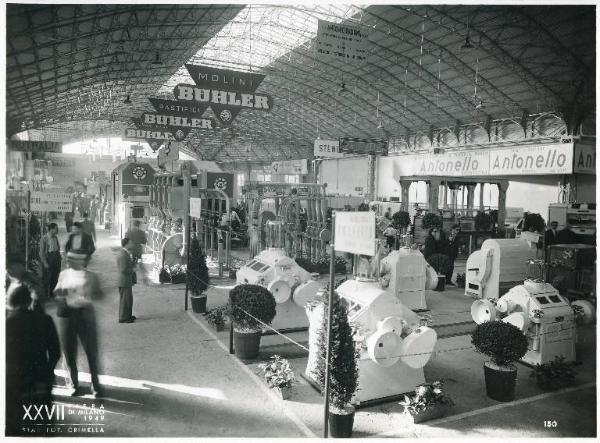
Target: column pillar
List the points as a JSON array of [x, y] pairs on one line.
[[434, 190], [481, 190], [404, 189], [502, 188], [445, 195], [370, 196], [470, 196], [187, 181]]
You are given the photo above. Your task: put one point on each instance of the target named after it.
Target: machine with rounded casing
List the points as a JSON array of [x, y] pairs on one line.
[[394, 346], [544, 316]]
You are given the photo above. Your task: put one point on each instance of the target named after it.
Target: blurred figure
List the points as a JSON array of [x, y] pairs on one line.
[[76, 290], [138, 238], [125, 281], [50, 258], [551, 236], [388, 214], [566, 235], [452, 252], [32, 351], [435, 242], [68, 221], [390, 236], [16, 275], [88, 226], [80, 242]]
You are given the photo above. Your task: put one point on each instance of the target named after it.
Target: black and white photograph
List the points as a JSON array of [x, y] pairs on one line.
[[299, 220]]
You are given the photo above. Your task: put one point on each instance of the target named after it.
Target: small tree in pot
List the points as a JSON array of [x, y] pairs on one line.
[[534, 223], [197, 276], [431, 220], [260, 304], [343, 368], [483, 221], [505, 344], [401, 220]]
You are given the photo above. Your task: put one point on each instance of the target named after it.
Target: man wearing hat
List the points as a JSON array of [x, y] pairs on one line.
[[125, 281], [76, 290]]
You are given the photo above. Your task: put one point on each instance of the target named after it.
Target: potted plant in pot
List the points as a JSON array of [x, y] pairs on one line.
[[554, 375], [343, 368], [260, 304], [428, 403], [441, 263], [505, 344], [401, 221], [278, 375], [431, 220], [216, 317], [197, 276]]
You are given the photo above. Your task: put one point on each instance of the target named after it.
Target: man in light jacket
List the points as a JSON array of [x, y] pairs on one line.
[[125, 281], [50, 258]]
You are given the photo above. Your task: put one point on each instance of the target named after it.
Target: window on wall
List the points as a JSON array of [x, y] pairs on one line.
[[292, 179]]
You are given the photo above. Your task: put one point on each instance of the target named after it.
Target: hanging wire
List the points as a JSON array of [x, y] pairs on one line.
[[476, 76]]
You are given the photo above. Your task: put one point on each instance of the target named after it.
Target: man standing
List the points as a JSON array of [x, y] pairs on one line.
[[50, 258], [75, 292], [452, 252], [551, 235], [138, 238], [388, 214], [80, 242], [88, 226], [125, 281], [390, 236]]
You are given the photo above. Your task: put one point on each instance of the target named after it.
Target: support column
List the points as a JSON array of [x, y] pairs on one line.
[[502, 188], [404, 189], [187, 181], [434, 190], [481, 190], [445, 195], [370, 195], [470, 196]]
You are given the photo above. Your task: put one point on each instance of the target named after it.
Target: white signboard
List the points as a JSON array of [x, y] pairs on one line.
[[195, 206], [522, 160], [337, 41], [171, 151], [290, 167], [584, 161], [327, 148], [51, 201], [355, 232]]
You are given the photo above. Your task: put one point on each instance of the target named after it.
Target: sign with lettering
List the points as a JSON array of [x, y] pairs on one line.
[[336, 41], [51, 201], [355, 232], [290, 167], [532, 160], [34, 146], [195, 206], [584, 159], [327, 148]]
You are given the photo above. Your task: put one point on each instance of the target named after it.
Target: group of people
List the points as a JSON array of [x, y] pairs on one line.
[[437, 242]]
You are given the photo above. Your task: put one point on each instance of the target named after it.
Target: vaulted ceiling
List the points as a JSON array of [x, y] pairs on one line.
[[70, 68]]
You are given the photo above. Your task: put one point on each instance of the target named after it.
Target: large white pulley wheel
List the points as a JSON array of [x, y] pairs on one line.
[[431, 278], [281, 290], [392, 324], [518, 319], [504, 306], [483, 310], [306, 292], [417, 347], [383, 348], [589, 313]]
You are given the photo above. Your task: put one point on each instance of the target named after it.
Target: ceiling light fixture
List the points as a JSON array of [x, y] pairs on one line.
[[467, 44], [156, 60]]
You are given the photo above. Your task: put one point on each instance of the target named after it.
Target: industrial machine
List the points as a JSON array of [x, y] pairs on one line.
[[571, 269], [581, 217], [406, 274], [498, 265], [394, 345]]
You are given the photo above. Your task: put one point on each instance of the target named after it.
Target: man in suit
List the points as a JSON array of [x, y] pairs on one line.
[[50, 258], [551, 235], [80, 242], [453, 245], [88, 226], [125, 281]]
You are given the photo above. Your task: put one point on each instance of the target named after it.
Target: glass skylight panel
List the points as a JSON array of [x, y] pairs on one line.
[[275, 31]]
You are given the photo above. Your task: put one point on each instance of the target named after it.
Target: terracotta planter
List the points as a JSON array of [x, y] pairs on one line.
[[283, 391], [246, 344], [500, 384], [430, 413], [199, 303], [340, 425]]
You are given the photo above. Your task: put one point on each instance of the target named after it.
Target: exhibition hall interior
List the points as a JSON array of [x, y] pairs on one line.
[[310, 220]]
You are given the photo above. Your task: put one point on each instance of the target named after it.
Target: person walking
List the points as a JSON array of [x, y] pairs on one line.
[[50, 258], [76, 291], [80, 242], [68, 221], [32, 351], [125, 281], [452, 252], [88, 226]]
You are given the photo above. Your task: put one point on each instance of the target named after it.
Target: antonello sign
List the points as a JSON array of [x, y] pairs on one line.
[[525, 160], [584, 161]]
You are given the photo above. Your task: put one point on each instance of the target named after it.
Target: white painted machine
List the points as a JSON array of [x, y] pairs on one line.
[[497, 266], [272, 268], [409, 275], [394, 347]]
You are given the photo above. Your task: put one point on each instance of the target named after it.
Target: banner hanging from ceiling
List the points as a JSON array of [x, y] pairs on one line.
[[34, 146], [337, 41], [290, 167], [327, 148]]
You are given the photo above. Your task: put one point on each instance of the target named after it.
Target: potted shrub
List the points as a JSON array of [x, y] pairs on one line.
[[260, 304], [177, 273], [279, 375], [164, 276], [460, 280], [197, 276], [483, 221], [556, 374], [505, 344], [431, 220], [401, 220], [363, 207], [534, 223], [441, 263], [428, 403], [343, 368], [216, 317]]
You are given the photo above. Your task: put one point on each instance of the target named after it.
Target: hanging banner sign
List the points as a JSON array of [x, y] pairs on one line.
[[51, 201], [584, 161], [327, 148], [173, 107], [226, 91], [336, 41], [195, 207], [355, 232], [290, 167], [175, 121], [34, 146]]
